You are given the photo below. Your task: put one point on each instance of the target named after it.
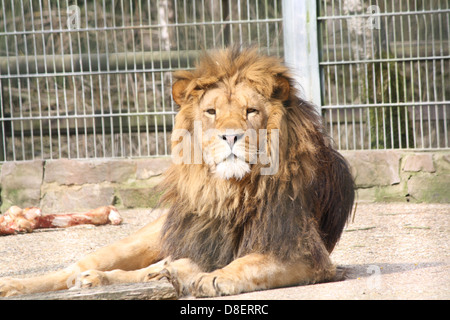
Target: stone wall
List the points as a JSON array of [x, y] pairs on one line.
[[401, 176], [74, 185]]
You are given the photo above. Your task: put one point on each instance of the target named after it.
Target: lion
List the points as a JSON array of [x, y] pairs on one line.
[[256, 200]]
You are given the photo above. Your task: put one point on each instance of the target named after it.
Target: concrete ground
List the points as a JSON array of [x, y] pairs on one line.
[[389, 251]]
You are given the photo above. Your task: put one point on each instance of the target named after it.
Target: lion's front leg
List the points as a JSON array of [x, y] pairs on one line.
[[55, 281], [94, 278], [257, 272], [134, 252], [179, 272]]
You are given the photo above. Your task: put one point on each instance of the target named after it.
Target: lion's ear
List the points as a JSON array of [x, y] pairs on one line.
[[179, 91], [281, 89]]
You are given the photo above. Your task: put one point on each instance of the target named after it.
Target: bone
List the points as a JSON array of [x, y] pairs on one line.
[[17, 220]]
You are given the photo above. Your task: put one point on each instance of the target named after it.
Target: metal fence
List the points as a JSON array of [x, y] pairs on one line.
[[385, 71], [92, 79]]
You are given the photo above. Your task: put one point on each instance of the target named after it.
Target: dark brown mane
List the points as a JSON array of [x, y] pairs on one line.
[[214, 221]]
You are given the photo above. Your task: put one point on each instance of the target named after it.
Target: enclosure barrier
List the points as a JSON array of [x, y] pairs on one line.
[[92, 79], [384, 70]]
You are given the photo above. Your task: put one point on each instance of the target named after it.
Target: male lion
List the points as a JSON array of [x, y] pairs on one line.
[[232, 227]]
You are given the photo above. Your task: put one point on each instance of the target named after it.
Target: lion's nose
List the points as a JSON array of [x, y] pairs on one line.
[[231, 139]]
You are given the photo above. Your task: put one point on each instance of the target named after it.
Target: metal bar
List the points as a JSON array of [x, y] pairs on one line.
[[394, 104], [301, 46], [446, 138], [48, 65], [435, 81], [64, 90], [152, 26], [83, 116], [276, 28], [94, 129], [330, 63], [384, 14], [119, 59], [76, 144]]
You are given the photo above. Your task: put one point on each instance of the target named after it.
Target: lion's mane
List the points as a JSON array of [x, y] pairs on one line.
[[289, 214]]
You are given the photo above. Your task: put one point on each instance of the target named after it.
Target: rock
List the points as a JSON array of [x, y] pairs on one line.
[[431, 189], [70, 172], [75, 198], [442, 163], [78, 172], [138, 197], [147, 168], [119, 171], [419, 162], [27, 174], [153, 290], [374, 168], [21, 183]]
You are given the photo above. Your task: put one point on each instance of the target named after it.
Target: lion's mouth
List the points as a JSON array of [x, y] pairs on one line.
[[234, 157], [232, 167], [228, 160], [231, 155]]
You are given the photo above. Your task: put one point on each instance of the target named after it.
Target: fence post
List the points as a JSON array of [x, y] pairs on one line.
[[301, 51], [2, 126]]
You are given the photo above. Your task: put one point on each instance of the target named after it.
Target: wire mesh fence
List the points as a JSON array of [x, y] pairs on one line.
[[385, 73], [92, 79]]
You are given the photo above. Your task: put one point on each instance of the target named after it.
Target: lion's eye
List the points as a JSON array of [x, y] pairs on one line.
[[252, 110], [211, 111]]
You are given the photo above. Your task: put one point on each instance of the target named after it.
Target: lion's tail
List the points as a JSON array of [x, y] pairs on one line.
[[336, 194]]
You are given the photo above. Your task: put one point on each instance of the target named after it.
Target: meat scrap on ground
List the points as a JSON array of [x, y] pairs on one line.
[[17, 220]]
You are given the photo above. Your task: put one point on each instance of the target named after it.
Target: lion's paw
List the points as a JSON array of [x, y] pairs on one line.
[[170, 275], [91, 278], [155, 276], [213, 285], [11, 287]]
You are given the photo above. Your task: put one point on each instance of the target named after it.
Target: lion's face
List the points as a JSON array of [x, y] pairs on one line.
[[231, 121], [232, 107]]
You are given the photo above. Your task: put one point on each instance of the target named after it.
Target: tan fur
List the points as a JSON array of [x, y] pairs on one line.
[[230, 228]]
